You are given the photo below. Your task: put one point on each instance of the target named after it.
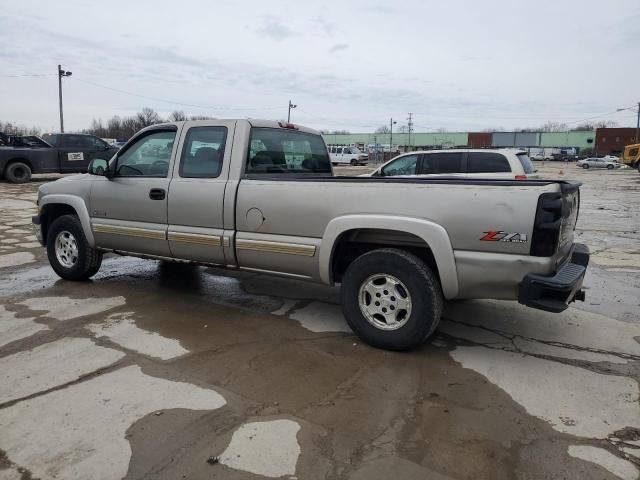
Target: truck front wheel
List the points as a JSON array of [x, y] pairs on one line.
[[18, 172], [69, 252], [391, 299]]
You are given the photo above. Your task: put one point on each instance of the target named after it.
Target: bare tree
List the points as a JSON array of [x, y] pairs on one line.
[[147, 117], [403, 129], [177, 116], [382, 129], [553, 127]]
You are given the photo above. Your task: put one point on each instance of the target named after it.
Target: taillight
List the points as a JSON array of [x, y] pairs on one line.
[[521, 177], [546, 229], [287, 125]]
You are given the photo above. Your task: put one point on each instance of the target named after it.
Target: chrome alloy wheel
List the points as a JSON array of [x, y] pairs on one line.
[[66, 249], [385, 301]]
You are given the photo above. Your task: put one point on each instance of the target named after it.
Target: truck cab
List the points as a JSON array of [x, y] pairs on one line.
[[76, 150]]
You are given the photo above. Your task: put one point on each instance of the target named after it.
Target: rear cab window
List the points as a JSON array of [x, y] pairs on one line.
[[488, 162], [283, 151]]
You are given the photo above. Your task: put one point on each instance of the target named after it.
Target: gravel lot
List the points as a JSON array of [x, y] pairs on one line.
[[164, 371]]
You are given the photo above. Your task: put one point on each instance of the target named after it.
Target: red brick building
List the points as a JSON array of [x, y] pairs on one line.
[[479, 139], [611, 141]]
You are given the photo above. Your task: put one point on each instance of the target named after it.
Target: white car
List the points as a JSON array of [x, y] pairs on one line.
[[468, 163], [611, 158], [341, 154], [538, 156], [598, 163]]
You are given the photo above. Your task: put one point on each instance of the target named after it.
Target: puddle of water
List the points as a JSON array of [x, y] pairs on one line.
[[572, 399], [321, 317], [79, 432], [51, 365], [13, 328], [600, 456], [121, 329], [65, 308]]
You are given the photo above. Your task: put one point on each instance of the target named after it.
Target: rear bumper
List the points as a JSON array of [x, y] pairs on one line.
[[554, 293]]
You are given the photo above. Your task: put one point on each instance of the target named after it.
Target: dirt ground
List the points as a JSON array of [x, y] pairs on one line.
[[162, 371]]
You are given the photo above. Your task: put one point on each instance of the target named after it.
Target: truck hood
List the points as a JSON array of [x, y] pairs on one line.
[[62, 184]]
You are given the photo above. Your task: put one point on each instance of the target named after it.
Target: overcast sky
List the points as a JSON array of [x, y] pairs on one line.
[[459, 65]]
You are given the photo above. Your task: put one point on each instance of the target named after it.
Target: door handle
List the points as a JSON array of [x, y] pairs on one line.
[[157, 194]]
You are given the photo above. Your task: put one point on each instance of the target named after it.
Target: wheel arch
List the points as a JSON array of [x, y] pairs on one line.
[[55, 205], [427, 239]]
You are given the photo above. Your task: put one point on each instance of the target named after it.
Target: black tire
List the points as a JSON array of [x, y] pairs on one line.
[[354, 162], [585, 166], [609, 167], [422, 286], [18, 172], [88, 259]]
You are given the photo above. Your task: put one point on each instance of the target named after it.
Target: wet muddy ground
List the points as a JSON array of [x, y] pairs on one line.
[[163, 371]]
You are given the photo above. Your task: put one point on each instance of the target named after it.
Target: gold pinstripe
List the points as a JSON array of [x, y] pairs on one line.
[[129, 231], [200, 239], [277, 247]]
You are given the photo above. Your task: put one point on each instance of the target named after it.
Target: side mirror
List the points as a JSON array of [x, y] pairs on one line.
[[98, 166]]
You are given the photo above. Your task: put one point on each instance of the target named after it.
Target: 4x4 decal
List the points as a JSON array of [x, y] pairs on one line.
[[500, 236]]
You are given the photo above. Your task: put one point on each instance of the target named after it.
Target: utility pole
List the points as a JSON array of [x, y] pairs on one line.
[[638, 125], [291, 105], [391, 124], [61, 73], [410, 125]]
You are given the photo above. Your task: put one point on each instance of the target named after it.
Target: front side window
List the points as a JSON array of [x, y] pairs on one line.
[[97, 143], [486, 162], [633, 152], [147, 157], [285, 151], [442, 163], [50, 139], [74, 141], [203, 152], [402, 166]]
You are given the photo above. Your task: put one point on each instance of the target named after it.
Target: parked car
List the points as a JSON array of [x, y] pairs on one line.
[[537, 156], [261, 196], [594, 162], [344, 154], [611, 158], [54, 153], [480, 163]]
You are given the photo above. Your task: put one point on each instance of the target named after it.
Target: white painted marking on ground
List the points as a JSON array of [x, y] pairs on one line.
[[79, 432], [268, 448], [619, 467], [15, 259], [51, 365], [321, 317], [11, 204], [121, 329], [573, 400], [65, 308], [13, 328]]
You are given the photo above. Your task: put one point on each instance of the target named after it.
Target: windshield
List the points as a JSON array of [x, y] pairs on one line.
[[525, 161]]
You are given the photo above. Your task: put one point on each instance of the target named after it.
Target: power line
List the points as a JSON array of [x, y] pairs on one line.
[[182, 104], [30, 75]]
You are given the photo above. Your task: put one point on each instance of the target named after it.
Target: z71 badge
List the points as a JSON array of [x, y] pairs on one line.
[[500, 236]]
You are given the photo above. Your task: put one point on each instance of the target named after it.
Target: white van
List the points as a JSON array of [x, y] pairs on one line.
[[467, 163], [341, 154]]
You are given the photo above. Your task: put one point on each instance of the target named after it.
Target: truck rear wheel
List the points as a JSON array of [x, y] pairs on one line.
[[18, 172], [391, 299], [69, 252]]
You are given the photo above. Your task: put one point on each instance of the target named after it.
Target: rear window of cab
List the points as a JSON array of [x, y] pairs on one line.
[[275, 151]]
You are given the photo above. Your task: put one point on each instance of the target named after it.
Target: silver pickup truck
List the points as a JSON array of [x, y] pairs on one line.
[[261, 196]]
